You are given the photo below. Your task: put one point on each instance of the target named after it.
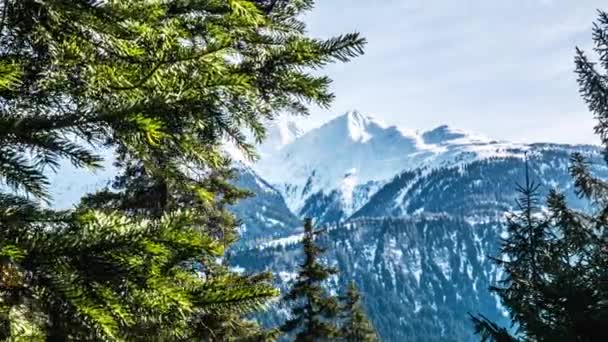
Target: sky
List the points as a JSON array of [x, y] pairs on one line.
[[499, 68]]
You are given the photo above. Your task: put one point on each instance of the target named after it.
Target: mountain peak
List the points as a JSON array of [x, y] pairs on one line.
[[359, 127], [355, 116]]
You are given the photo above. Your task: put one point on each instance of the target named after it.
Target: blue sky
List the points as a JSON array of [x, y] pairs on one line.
[[500, 68]]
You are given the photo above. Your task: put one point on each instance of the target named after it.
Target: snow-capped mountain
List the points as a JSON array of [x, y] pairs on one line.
[[413, 216], [348, 151], [418, 248], [352, 156]]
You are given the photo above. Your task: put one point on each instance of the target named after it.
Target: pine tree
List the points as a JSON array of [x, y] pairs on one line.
[[314, 312], [521, 289], [556, 263], [137, 194], [163, 84], [524, 246], [356, 326]]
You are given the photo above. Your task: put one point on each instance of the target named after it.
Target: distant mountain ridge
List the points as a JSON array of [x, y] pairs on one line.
[[419, 248], [341, 164]]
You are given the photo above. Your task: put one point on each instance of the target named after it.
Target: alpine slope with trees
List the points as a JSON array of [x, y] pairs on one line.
[[314, 312], [161, 85], [317, 315], [418, 246]]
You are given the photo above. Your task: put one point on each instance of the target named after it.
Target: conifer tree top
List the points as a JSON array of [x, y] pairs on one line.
[[163, 84]]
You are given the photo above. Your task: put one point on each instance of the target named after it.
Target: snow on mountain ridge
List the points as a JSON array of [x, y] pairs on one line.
[[442, 135], [279, 134], [320, 160], [357, 126]]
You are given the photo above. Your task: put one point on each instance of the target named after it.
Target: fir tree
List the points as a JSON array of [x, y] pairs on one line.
[[356, 326], [164, 84], [314, 312], [556, 263]]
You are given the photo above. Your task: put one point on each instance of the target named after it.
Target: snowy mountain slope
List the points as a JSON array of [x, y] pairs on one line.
[[418, 248], [482, 188], [417, 242], [264, 214], [345, 152], [343, 159]]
